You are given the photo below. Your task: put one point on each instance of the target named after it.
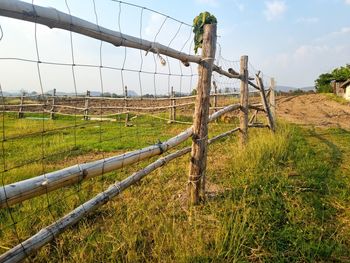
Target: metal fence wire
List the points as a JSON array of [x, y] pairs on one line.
[[87, 93]]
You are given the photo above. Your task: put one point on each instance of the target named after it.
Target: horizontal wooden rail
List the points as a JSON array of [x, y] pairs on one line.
[[257, 107], [27, 189], [21, 105], [48, 233], [81, 98], [53, 18], [258, 125], [143, 108]]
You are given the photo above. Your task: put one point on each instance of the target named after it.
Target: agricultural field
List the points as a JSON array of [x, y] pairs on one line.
[[284, 197]]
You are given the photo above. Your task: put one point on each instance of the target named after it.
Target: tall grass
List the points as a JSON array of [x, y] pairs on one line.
[[282, 198]]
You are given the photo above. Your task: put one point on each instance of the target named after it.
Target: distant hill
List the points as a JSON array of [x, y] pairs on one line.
[[289, 88], [308, 88], [132, 93], [93, 93], [285, 88], [9, 94]]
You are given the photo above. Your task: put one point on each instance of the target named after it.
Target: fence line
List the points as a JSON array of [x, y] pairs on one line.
[[48, 233], [27, 189], [20, 191], [54, 105]]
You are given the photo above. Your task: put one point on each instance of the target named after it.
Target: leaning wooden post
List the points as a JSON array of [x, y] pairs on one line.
[[20, 110], [265, 103], [273, 99], [243, 117], [126, 106], [196, 181], [86, 110], [52, 112]]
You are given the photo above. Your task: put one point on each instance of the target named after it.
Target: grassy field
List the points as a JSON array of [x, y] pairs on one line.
[[284, 198]]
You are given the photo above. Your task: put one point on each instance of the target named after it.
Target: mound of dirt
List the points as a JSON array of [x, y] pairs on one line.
[[314, 109]]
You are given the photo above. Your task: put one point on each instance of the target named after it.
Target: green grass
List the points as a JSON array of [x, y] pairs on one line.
[[283, 198], [336, 98]]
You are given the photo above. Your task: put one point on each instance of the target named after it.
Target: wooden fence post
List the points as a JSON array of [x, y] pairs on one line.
[[243, 117], [273, 99], [52, 112], [20, 110], [215, 96], [126, 106], [86, 111], [174, 105], [265, 103], [172, 111], [196, 180]]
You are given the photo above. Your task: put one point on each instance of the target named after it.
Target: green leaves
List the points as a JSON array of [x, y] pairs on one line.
[[342, 73], [198, 25], [323, 83], [338, 74]]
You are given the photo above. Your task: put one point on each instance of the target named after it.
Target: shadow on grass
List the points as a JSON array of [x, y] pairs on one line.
[[288, 219]]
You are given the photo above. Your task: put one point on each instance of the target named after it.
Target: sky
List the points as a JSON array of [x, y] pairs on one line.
[[293, 41]]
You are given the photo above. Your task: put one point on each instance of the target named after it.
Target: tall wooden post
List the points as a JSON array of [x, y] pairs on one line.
[[52, 112], [196, 181], [273, 99], [20, 110], [86, 111], [126, 106], [243, 117]]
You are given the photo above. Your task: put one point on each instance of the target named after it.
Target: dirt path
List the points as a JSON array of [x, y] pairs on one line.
[[314, 109]]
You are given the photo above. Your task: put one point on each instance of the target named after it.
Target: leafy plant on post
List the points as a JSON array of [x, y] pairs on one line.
[[198, 28]]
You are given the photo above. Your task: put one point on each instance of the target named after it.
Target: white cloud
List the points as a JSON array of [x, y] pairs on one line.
[[344, 30], [303, 64], [208, 2], [347, 2], [308, 20], [153, 24], [240, 6], [340, 35], [274, 9]]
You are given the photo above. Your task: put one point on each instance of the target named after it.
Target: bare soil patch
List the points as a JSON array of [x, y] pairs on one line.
[[314, 109]]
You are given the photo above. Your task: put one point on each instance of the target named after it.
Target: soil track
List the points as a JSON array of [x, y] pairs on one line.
[[314, 109]]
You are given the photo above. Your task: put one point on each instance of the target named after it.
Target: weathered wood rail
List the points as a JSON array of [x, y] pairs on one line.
[[86, 106], [27, 189], [20, 191], [50, 232]]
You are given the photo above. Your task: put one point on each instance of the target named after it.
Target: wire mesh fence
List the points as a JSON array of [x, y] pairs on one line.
[[80, 102]]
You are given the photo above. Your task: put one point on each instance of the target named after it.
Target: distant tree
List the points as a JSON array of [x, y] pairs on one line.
[[23, 92], [323, 83], [194, 92], [106, 94], [297, 92], [148, 96], [342, 73]]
